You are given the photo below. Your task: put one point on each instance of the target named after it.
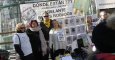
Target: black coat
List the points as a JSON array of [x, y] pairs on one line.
[[46, 30], [104, 38], [35, 43]]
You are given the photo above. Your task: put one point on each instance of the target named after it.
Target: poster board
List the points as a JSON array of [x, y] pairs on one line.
[[105, 4], [56, 9], [74, 28]]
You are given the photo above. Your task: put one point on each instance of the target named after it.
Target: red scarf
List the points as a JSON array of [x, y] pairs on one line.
[[105, 56]]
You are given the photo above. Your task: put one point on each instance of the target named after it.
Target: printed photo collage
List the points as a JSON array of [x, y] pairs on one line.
[[73, 26]]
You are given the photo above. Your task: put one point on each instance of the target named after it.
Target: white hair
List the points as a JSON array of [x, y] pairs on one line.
[[102, 13]]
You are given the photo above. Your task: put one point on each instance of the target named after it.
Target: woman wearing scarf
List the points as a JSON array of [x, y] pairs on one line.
[[46, 26], [37, 40]]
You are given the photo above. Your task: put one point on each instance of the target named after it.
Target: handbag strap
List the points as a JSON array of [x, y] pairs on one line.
[[19, 40]]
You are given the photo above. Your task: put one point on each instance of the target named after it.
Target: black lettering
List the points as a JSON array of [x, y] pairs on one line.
[[61, 2]]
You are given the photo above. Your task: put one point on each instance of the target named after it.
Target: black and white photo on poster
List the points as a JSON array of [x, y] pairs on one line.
[[73, 30], [72, 21], [77, 20], [69, 39], [83, 20], [78, 31], [66, 22], [67, 31], [61, 35], [83, 28], [29, 14]]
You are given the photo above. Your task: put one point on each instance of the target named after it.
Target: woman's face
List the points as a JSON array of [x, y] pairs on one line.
[[34, 24], [22, 28], [56, 24]]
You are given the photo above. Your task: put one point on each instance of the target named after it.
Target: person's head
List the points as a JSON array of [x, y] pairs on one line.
[[33, 24], [56, 24], [103, 15], [111, 21], [89, 20], [46, 15], [20, 27]]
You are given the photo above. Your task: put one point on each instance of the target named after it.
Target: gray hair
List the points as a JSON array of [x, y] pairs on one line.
[[111, 21]]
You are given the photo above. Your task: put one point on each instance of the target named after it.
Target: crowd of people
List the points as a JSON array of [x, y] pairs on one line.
[[103, 37], [36, 41], [39, 40]]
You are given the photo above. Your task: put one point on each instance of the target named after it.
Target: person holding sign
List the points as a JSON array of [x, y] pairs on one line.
[[57, 41]]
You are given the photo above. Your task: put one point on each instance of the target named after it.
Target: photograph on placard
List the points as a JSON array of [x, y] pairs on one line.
[[83, 20], [72, 21], [29, 14], [77, 20], [67, 31], [69, 39], [61, 35], [66, 22], [73, 31], [78, 30], [82, 28]]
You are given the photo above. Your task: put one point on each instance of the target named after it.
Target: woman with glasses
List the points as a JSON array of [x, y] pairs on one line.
[[22, 43], [37, 40]]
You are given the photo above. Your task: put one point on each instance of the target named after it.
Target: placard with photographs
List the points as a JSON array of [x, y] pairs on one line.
[[77, 20], [73, 26], [81, 29], [72, 21]]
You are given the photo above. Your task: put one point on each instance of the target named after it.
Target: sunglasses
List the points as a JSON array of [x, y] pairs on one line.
[[22, 27], [46, 16]]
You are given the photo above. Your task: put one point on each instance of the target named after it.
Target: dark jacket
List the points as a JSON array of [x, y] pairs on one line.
[[104, 38], [46, 30], [35, 43]]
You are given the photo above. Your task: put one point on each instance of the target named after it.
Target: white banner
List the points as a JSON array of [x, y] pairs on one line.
[[104, 4], [56, 9]]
